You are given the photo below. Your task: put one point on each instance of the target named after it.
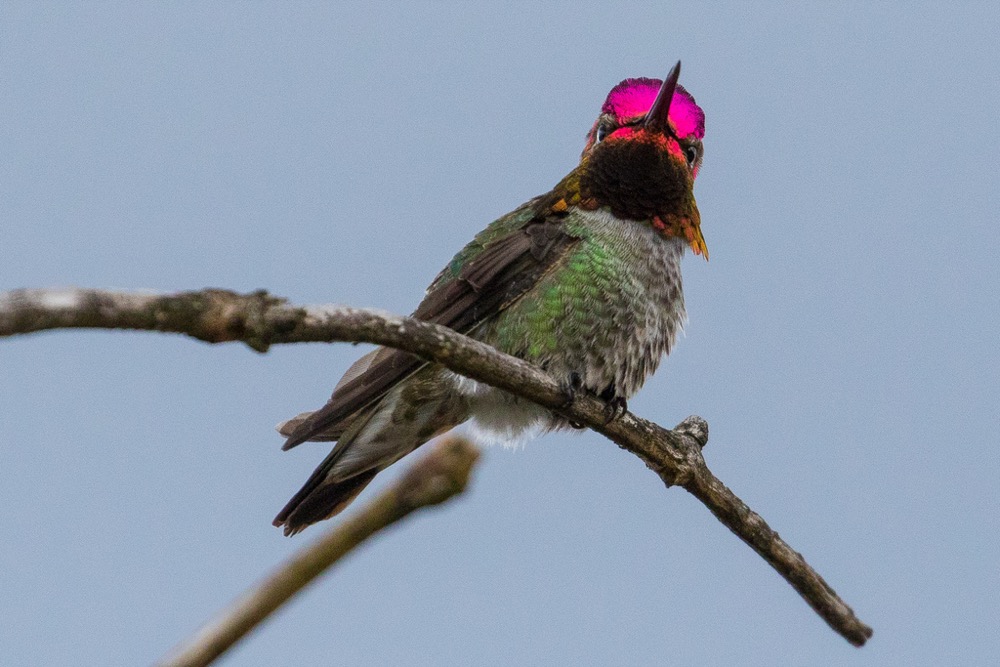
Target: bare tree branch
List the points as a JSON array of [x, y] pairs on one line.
[[260, 320], [432, 480]]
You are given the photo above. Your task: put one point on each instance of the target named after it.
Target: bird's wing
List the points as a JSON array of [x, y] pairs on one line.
[[490, 273]]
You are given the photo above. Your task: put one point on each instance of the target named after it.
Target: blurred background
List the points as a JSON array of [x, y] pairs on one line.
[[842, 340]]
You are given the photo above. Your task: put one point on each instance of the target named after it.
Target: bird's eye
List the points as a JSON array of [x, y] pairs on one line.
[[691, 153], [602, 131]]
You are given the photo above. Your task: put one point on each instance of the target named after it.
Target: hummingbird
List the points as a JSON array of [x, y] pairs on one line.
[[583, 281]]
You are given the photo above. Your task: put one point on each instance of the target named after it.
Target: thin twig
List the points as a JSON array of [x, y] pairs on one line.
[[433, 479], [260, 320]]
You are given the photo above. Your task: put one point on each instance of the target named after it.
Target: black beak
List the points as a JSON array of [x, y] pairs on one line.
[[656, 117]]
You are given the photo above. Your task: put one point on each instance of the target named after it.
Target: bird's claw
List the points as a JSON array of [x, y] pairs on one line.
[[573, 384], [615, 405], [614, 409]]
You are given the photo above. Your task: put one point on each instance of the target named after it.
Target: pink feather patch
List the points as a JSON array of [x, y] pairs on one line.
[[634, 97]]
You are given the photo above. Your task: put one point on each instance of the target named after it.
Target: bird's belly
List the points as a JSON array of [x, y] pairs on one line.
[[501, 417]]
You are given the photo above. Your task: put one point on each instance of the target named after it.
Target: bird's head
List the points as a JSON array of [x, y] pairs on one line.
[[643, 154]]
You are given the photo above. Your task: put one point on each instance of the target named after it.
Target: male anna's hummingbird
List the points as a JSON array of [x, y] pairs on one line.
[[583, 281]]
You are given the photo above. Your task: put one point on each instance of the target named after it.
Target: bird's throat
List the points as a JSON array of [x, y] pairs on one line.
[[637, 179]]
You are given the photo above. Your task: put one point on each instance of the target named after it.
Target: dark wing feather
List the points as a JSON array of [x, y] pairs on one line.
[[504, 270]]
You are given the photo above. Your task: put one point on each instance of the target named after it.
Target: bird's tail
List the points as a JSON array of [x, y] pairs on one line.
[[369, 441], [316, 501], [375, 440]]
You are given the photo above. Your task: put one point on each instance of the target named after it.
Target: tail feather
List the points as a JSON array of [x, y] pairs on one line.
[[287, 427], [317, 501], [369, 440]]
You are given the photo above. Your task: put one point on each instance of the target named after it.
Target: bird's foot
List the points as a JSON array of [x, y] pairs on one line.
[[615, 409], [615, 406], [573, 384]]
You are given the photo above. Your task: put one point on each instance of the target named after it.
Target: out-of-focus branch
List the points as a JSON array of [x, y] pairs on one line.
[[260, 320], [434, 479]]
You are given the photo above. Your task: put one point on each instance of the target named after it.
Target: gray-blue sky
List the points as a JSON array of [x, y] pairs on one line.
[[842, 340]]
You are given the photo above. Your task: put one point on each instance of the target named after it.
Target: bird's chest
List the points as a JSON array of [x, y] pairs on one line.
[[609, 310]]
